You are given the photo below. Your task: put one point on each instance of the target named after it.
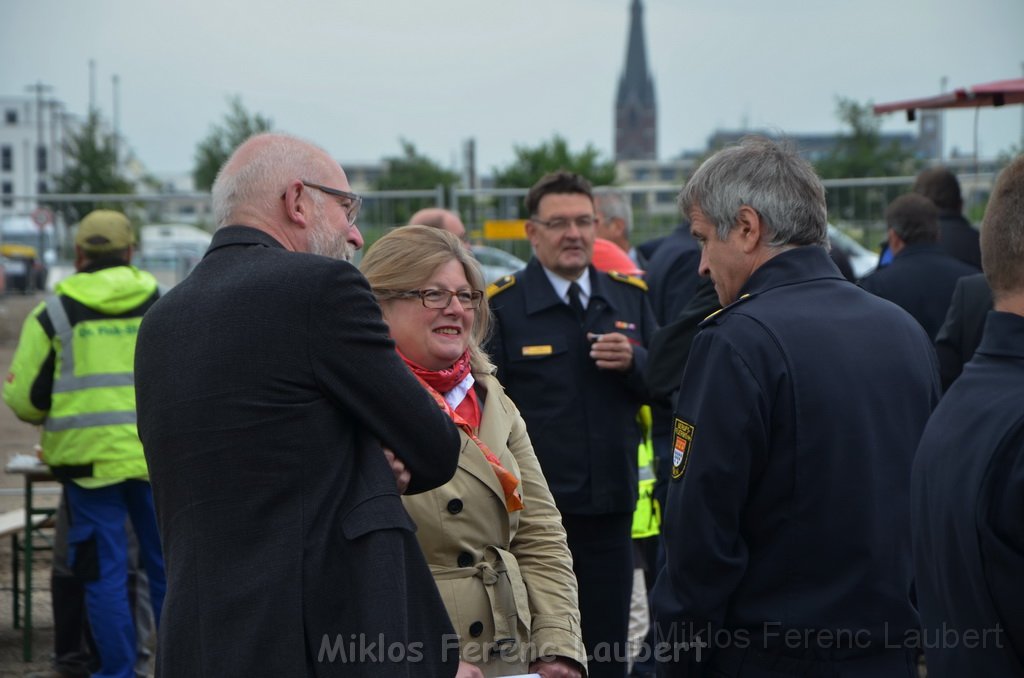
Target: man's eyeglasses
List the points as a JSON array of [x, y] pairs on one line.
[[562, 223], [432, 298], [354, 201]]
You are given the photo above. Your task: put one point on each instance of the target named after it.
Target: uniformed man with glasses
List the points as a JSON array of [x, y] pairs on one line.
[[570, 346]]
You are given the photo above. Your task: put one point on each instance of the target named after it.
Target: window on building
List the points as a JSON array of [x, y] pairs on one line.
[[41, 187], [11, 116], [7, 189], [41, 158], [6, 158]]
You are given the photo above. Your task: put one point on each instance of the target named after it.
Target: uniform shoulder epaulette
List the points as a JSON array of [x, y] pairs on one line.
[[500, 285], [714, 315], [628, 279]]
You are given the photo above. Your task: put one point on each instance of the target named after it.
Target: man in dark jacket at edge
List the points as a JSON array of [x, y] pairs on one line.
[[787, 528]]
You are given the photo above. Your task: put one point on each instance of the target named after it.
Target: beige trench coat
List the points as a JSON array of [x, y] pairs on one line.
[[505, 578]]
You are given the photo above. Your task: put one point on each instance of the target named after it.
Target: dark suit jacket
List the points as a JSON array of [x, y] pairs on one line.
[[920, 280], [960, 334], [672, 274], [581, 419], [959, 239], [265, 381], [670, 345]]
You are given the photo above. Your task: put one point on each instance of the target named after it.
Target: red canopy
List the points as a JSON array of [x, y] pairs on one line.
[[996, 93]]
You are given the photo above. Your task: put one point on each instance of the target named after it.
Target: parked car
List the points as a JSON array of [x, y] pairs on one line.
[[496, 263], [862, 260], [23, 270]]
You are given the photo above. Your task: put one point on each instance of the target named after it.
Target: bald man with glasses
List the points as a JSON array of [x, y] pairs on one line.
[[271, 403]]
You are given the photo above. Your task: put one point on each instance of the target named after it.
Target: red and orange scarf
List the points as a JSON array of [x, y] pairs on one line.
[[467, 417]]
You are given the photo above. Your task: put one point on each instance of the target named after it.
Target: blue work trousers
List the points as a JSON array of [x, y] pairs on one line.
[[98, 554]]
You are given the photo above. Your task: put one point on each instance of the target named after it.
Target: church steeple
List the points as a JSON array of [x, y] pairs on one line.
[[635, 107]]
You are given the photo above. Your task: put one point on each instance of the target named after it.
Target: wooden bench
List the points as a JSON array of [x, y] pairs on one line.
[[13, 523]]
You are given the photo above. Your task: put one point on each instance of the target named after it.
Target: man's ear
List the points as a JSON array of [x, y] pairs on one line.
[[618, 226], [749, 227], [296, 211], [896, 243], [531, 229]]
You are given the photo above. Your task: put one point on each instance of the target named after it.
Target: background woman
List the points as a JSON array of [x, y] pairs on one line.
[[492, 535]]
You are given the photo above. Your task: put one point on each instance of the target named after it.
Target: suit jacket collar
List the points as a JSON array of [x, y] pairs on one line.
[[241, 235], [791, 267], [919, 248], [1003, 335], [540, 295]]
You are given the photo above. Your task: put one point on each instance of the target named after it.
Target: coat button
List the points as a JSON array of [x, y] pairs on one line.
[[455, 506], [465, 559], [476, 628]]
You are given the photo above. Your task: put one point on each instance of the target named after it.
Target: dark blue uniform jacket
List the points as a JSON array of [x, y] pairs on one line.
[[968, 513], [582, 420], [920, 280], [796, 424]]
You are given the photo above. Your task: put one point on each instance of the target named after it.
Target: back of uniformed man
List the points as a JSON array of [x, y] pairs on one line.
[[569, 343], [921, 277], [968, 479], [787, 527]]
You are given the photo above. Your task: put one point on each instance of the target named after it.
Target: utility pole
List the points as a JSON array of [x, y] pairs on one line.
[[117, 122], [39, 89], [942, 122], [92, 85], [470, 163], [41, 155]]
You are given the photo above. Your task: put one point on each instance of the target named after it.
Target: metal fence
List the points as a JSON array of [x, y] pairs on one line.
[[855, 205]]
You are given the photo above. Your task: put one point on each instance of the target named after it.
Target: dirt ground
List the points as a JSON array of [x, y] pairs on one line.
[[17, 437]]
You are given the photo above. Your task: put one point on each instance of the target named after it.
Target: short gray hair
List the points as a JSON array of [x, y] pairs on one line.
[[770, 178], [256, 176], [615, 205]]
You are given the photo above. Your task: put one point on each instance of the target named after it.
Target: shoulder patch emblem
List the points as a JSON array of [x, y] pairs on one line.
[[628, 279], [681, 446], [500, 285]]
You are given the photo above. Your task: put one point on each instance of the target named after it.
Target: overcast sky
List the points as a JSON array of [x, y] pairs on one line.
[[356, 76]]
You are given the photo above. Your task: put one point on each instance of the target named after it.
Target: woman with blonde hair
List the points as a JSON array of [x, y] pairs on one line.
[[492, 535]]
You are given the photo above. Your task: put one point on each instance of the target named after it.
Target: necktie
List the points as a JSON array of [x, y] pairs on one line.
[[574, 301]]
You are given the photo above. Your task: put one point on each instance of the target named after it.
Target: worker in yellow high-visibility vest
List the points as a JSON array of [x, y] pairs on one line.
[[646, 524]]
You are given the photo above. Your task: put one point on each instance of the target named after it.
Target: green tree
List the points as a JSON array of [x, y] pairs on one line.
[[532, 163], [409, 171], [863, 152], [211, 153], [413, 171], [90, 167]]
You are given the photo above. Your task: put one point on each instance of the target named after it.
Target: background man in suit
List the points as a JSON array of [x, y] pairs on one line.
[[569, 343], [960, 334], [921, 277], [957, 237], [968, 477], [437, 217], [615, 223], [266, 386]]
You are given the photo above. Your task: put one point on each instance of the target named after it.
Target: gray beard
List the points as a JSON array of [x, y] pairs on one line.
[[328, 243]]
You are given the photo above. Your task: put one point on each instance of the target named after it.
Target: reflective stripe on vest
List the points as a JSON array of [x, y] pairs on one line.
[[67, 382]]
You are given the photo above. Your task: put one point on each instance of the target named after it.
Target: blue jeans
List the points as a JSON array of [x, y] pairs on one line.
[[98, 554]]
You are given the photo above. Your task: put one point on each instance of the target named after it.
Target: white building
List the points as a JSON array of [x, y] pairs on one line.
[[31, 138]]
